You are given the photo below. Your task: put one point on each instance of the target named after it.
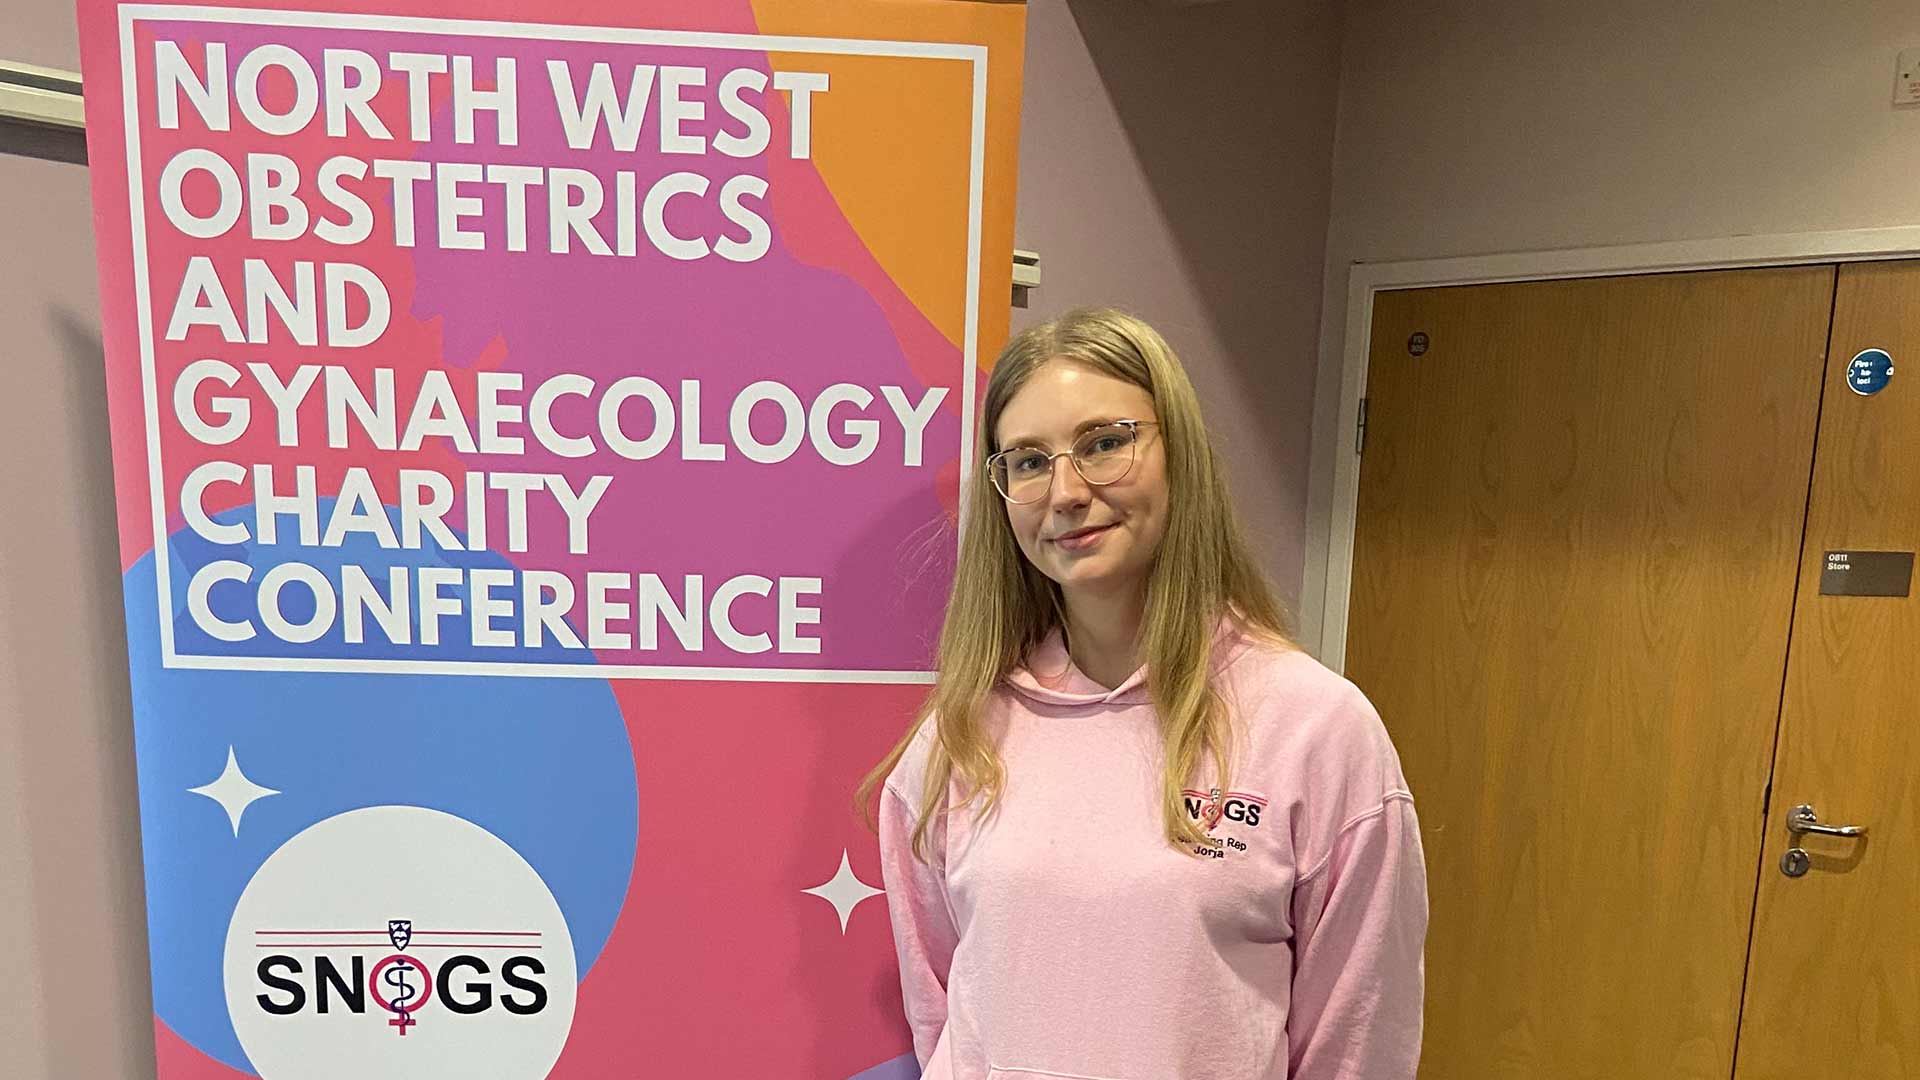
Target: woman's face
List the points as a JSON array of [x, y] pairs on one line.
[[1087, 538]]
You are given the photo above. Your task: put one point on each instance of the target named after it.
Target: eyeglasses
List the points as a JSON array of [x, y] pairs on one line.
[[1102, 455]]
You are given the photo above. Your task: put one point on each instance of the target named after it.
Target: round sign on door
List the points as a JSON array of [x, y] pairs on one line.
[[1869, 372]]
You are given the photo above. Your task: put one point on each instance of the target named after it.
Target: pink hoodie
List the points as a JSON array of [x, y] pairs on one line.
[[1062, 937]]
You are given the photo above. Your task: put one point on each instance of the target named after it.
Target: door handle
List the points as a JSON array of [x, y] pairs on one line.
[[1802, 819]]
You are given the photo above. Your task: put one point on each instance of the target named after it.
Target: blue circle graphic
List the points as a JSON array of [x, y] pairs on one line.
[[543, 763]]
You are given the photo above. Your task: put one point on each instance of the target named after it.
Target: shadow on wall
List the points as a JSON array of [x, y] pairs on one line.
[[45, 143], [83, 358], [1177, 161], [77, 767], [1229, 108]]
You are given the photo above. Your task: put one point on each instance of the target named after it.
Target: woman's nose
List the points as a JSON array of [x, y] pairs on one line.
[[1069, 489]]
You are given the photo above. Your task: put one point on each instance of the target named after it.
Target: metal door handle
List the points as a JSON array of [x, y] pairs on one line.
[[1802, 819]]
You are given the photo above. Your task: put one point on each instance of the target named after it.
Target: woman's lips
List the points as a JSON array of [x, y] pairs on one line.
[[1082, 539]]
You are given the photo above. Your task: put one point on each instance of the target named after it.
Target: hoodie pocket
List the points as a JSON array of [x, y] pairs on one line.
[[997, 1072]]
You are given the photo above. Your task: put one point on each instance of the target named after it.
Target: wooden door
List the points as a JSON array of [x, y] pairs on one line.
[[1580, 512], [1834, 988]]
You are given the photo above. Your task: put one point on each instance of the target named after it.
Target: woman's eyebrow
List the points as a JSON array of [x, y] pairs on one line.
[[1084, 427]]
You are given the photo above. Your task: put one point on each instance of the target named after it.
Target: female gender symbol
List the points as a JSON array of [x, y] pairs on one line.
[[408, 999]]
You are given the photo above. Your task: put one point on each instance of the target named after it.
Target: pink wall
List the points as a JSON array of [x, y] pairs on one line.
[[70, 882], [1175, 161]]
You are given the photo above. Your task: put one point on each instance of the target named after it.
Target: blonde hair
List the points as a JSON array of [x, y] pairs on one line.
[[1002, 607]]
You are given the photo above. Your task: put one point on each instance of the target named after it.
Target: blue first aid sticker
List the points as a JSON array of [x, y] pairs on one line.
[[1869, 372]]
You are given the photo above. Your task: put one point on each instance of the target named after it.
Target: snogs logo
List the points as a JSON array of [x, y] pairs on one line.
[[1236, 806], [479, 980], [400, 983]]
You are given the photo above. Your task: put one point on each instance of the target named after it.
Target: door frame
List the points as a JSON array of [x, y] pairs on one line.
[[1333, 493]]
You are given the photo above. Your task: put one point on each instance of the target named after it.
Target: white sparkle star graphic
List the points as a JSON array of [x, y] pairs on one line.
[[233, 791], [844, 891]]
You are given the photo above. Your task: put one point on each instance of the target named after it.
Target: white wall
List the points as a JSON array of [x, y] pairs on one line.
[[1519, 125]]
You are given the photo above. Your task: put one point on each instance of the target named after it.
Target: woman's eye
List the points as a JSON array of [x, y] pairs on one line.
[[1107, 444], [1028, 463]]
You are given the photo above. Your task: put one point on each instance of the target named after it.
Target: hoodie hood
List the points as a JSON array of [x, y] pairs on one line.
[[1050, 676]]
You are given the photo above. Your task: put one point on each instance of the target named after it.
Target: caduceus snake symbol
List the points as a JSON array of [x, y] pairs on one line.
[[397, 973], [404, 991]]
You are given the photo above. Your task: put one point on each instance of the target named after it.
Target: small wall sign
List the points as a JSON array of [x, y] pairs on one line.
[[1867, 573], [1869, 372]]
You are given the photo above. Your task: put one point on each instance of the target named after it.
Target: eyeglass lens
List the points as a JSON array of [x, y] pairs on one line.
[[1102, 456]]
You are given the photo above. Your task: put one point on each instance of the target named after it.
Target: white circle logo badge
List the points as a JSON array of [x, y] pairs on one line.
[[399, 942]]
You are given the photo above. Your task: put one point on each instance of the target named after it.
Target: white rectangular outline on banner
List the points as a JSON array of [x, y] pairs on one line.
[[976, 55]]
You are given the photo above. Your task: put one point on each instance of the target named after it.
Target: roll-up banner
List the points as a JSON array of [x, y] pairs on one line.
[[538, 433]]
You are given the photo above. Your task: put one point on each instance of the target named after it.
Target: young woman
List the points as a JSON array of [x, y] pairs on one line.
[[1135, 834]]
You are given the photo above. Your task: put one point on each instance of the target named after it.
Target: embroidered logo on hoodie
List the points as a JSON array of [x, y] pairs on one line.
[[1235, 806], [1211, 807]]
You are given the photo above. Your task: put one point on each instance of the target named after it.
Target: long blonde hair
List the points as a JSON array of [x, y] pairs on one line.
[[1002, 607]]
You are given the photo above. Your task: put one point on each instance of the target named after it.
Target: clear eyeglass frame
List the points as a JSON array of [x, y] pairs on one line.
[[1096, 465]]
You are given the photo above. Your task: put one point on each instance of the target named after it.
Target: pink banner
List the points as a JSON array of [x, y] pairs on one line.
[[537, 451]]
